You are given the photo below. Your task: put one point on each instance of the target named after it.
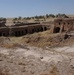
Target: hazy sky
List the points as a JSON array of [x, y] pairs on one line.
[[15, 8]]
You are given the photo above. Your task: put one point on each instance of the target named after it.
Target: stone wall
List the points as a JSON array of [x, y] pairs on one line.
[[20, 30]]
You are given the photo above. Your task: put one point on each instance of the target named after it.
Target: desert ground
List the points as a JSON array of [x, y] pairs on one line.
[[37, 61]]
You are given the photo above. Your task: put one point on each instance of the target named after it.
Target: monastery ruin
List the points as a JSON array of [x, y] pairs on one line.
[[20, 29]]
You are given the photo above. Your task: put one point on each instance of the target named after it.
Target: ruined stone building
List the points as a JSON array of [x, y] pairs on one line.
[[63, 25], [20, 29]]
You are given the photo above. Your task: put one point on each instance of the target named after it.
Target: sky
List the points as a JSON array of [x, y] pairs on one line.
[[28, 8]]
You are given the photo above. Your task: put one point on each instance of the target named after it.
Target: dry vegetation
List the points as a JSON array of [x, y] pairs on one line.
[[41, 39]]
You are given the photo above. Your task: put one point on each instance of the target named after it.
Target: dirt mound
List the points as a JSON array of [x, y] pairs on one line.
[[45, 39]]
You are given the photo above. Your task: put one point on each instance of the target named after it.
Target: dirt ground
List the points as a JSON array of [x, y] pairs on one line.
[[36, 61]]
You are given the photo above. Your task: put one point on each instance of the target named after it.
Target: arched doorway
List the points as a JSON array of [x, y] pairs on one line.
[[57, 30], [26, 31], [33, 30], [41, 29], [0, 34], [3, 34], [45, 28]]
